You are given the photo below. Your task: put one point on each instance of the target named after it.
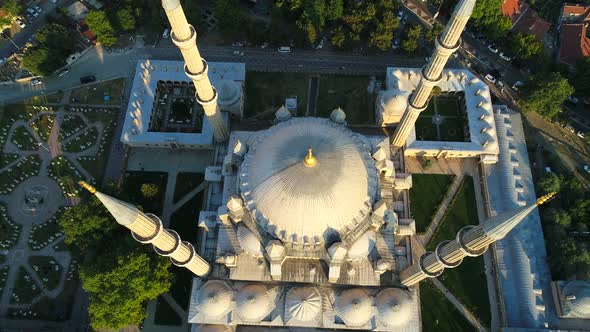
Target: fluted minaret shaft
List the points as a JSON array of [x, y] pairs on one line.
[[470, 241], [148, 228], [184, 36], [447, 43]]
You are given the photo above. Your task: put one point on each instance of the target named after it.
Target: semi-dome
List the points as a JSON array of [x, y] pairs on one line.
[[248, 241], [303, 304], [214, 299], [362, 246], [353, 306], [313, 200], [577, 298], [254, 303], [228, 93], [393, 102], [393, 305]]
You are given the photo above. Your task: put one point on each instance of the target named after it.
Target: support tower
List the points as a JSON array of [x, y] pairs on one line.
[[148, 228], [446, 43], [184, 36], [470, 241]]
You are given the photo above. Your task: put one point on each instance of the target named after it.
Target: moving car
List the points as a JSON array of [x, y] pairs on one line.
[[492, 48], [87, 79], [517, 85], [581, 134], [265, 45], [490, 78], [284, 49], [505, 56]]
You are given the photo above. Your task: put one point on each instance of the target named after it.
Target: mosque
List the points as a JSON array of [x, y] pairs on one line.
[[307, 223]]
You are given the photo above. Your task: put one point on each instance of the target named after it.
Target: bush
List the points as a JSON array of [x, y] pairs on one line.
[[149, 190], [427, 164]]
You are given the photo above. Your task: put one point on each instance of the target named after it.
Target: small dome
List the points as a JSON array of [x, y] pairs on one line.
[[228, 93], [362, 246], [282, 114], [338, 116], [254, 303], [353, 306], [577, 298], [393, 305], [248, 241], [303, 304], [214, 299], [393, 102]]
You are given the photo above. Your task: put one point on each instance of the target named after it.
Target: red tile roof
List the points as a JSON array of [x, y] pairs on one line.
[[574, 43], [89, 34], [513, 9], [570, 9], [531, 23]]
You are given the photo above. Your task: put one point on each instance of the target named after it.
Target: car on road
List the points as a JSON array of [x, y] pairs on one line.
[[87, 79], [581, 134], [493, 48], [395, 44], [284, 49], [500, 85], [572, 99], [587, 168], [490, 78], [237, 44], [38, 9], [400, 15], [53, 1], [505, 56], [20, 23], [36, 82], [166, 33], [63, 72], [238, 53], [517, 85], [264, 45], [570, 129]]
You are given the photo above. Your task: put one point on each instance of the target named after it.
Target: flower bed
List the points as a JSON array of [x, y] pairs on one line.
[[25, 288], [46, 233], [25, 168], [83, 141], [47, 269], [42, 125], [9, 231], [71, 124], [23, 139]]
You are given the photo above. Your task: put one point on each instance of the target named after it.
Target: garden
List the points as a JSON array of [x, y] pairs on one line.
[[47, 269], [17, 173], [103, 93], [9, 231], [426, 194], [266, 92], [43, 234], [349, 93], [66, 175]]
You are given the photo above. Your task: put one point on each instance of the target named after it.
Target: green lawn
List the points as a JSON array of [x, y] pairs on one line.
[[41, 234], [42, 125], [349, 93], [425, 129], [84, 141], [131, 187], [24, 168], [266, 92], [6, 159], [95, 93], [23, 139], [468, 281], [185, 183], [451, 130], [427, 192], [70, 124], [438, 314], [165, 315], [48, 269], [447, 105], [25, 288]]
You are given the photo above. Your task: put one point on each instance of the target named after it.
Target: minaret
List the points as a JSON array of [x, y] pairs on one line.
[[447, 43], [148, 228], [470, 241], [184, 36]]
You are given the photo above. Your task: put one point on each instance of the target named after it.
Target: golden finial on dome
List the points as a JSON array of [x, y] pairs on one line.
[[545, 198], [86, 186], [309, 159]]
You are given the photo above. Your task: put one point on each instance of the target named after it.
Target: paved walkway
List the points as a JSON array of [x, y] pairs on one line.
[[462, 309], [442, 210]]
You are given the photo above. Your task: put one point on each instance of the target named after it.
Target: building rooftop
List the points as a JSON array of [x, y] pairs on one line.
[[575, 43], [513, 9], [531, 23]]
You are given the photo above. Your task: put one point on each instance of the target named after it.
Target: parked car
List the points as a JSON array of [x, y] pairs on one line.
[[87, 79], [166, 33], [63, 72], [572, 99], [53, 1], [20, 23], [490, 78], [36, 82], [284, 49], [581, 134], [570, 129], [395, 44], [587, 168], [38, 9], [237, 44], [500, 85], [400, 15], [505, 56], [238, 53], [517, 85], [492, 48]]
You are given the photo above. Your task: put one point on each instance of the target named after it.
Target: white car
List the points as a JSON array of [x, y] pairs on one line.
[[166, 33], [505, 56], [492, 48], [400, 15], [265, 45], [38, 9], [36, 82], [490, 78], [572, 99], [63, 72], [517, 85], [395, 44], [581, 134], [570, 129], [284, 49], [20, 23], [587, 168]]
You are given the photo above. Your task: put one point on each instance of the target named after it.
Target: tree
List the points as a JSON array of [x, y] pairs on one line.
[[427, 164], [87, 224], [545, 93], [125, 19], [56, 38], [436, 91], [487, 15], [433, 32], [12, 7], [561, 218], [581, 79], [39, 61], [338, 38], [526, 46], [149, 190], [119, 282], [230, 17], [413, 34], [99, 23], [581, 209], [382, 36], [551, 183], [334, 10]]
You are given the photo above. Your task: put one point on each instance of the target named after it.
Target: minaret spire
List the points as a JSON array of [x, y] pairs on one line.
[[470, 241], [148, 228], [184, 36], [447, 43]]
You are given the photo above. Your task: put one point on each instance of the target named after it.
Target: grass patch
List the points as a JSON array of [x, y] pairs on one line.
[[6, 159], [468, 281], [23, 169], [266, 92], [425, 129], [349, 93], [25, 288], [42, 125], [447, 106], [70, 125], [103, 93], [185, 182], [66, 175], [83, 141], [47, 269], [427, 191], [165, 315], [23, 139], [451, 130], [132, 188], [438, 314], [45, 233]]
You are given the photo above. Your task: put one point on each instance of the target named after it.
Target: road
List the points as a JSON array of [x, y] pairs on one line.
[[106, 66]]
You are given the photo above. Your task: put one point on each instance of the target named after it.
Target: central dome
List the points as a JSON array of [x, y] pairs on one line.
[[294, 199]]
